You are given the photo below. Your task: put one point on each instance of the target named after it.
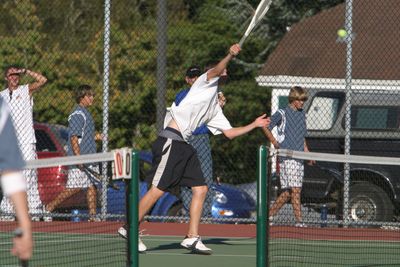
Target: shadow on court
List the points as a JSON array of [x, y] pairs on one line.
[[165, 247]]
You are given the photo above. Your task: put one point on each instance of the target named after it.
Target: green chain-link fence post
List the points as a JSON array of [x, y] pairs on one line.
[[262, 207], [133, 217]]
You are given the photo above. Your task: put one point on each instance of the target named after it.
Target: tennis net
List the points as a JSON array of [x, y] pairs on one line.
[[348, 214], [66, 231]]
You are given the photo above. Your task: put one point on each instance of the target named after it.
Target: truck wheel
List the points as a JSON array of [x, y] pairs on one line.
[[369, 202]]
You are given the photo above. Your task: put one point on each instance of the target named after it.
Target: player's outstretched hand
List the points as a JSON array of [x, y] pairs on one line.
[[234, 50], [262, 121]]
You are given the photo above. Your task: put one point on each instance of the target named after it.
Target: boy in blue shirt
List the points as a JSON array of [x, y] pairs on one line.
[[292, 130], [81, 141]]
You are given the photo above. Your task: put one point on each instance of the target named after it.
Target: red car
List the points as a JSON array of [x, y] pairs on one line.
[[51, 141]]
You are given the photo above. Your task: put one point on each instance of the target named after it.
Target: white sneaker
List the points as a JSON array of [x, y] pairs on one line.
[[94, 219], [46, 215], [195, 245], [123, 232], [271, 220], [35, 218], [7, 218], [299, 224], [141, 246]]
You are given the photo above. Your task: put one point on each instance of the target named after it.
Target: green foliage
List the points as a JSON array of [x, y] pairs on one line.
[[64, 41], [15, 48], [235, 161]]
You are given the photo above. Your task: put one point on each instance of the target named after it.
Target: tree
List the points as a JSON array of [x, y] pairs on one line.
[[64, 40], [21, 44]]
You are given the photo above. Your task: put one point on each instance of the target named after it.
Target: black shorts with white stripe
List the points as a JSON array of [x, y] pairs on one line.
[[175, 164]]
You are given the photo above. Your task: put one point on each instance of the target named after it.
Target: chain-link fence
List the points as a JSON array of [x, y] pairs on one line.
[[135, 55], [352, 108]]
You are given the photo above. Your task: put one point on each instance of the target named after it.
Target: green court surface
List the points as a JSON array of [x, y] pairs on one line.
[[317, 253], [84, 249], [54, 249], [166, 251]]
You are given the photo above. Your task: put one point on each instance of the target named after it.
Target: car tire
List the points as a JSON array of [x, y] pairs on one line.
[[174, 211], [369, 202]]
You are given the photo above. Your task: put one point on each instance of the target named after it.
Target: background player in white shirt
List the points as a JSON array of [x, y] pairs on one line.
[[19, 99]]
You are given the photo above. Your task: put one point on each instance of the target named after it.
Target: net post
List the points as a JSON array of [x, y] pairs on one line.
[[133, 216], [262, 207]]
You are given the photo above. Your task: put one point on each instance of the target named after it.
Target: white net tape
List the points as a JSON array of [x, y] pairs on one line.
[[71, 160], [337, 157]]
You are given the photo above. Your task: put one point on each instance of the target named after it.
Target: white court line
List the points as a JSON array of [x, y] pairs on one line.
[[79, 251], [228, 241], [191, 254], [43, 238], [342, 242], [79, 238]]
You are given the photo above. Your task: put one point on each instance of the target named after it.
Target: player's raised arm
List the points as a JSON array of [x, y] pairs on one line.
[[40, 79], [234, 50]]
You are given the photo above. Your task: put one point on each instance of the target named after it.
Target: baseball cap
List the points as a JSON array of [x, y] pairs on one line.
[[193, 71]]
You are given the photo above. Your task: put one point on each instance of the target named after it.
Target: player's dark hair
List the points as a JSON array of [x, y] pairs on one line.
[[82, 91], [6, 68], [297, 93]]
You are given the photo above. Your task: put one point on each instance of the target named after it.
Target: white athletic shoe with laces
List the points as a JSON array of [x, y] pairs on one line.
[[141, 246], [123, 232], [46, 215], [6, 218], [300, 224], [195, 245]]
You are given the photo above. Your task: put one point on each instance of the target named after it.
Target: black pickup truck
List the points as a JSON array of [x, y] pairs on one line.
[[374, 192]]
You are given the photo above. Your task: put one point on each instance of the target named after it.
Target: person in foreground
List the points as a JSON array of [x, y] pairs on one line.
[[13, 183], [292, 130], [175, 162]]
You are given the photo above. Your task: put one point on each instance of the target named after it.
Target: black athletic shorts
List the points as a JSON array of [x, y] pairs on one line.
[[175, 164]]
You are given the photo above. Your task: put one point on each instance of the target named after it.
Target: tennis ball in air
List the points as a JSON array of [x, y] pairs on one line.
[[342, 33]]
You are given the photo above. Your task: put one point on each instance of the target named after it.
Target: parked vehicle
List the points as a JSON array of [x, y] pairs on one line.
[[375, 116], [51, 142], [229, 201]]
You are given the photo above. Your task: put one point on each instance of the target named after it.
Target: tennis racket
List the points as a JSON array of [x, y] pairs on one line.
[[18, 234], [97, 179], [261, 10]]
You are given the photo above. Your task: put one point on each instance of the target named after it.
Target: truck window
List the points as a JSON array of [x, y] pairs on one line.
[[283, 101], [323, 112], [44, 142], [374, 118]]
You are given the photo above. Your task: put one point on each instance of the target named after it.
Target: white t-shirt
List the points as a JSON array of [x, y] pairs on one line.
[[200, 106], [21, 106]]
